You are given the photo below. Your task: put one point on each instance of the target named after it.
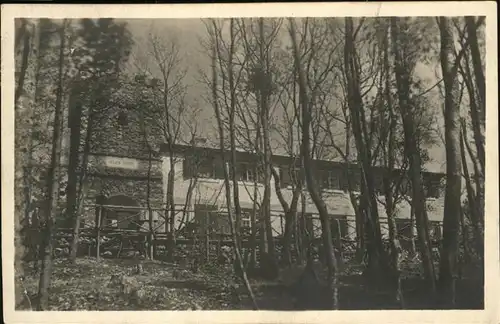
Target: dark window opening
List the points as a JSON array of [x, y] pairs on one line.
[[289, 176], [330, 179], [208, 168], [210, 221], [246, 221], [435, 231], [339, 226], [356, 183], [378, 184], [431, 189], [247, 172]]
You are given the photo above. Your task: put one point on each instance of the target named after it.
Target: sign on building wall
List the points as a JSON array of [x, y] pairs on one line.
[[122, 163]]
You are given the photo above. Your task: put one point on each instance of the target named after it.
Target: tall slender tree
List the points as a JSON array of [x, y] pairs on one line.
[[214, 32], [26, 47], [453, 193], [308, 167], [53, 185], [376, 255], [403, 69]]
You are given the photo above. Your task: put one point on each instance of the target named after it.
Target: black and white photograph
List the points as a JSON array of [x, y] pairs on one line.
[[251, 163]]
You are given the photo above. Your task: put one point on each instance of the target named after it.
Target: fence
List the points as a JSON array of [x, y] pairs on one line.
[[119, 229]]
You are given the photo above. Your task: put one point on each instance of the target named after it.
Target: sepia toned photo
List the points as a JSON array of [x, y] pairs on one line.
[[250, 163]]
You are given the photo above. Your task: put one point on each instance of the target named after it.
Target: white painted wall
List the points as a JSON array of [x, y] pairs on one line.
[[212, 192]]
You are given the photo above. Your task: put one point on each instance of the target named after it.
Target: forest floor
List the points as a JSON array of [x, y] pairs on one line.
[[167, 286]]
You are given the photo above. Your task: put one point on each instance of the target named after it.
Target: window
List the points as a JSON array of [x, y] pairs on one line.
[[209, 220], [331, 179], [325, 179], [435, 231], [223, 225], [344, 184], [206, 169], [202, 166], [378, 183], [187, 168], [247, 172], [431, 188], [246, 221], [219, 170], [339, 224], [356, 181], [289, 176]]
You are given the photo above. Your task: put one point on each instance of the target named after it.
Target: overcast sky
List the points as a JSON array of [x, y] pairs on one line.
[[189, 32]]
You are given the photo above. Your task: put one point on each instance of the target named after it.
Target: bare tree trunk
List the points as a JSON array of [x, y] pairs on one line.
[[358, 213], [478, 178], [152, 231], [412, 229], [472, 25], [187, 203], [81, 196], [412, 151], [376, 253], [465, 244], [253, 221], [389, 153], [479, 163], [53, 178], [75, 116], [452, 204], [310, 181], [478, 113], [171, 208], [30, 145], [23, 116], [151, 234], [232, 132], [263, 238], [82, 181], [289, 211], [474, 113], [21, 30], [27, 39], [227, 184], [471, 199], [301, 234], [360, 227], [255, 206], [264, 92]]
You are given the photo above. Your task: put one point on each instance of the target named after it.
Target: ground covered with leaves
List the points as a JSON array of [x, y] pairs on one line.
[[88, 285]]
